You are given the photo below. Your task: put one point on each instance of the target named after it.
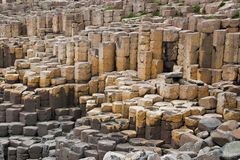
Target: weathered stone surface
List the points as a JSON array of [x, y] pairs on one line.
[[35, 151], [229, 125], [226, 100], [231, 150], [98, 79], [221, 137], [208, 102], [4, 129], [114, 155], [208, 124]]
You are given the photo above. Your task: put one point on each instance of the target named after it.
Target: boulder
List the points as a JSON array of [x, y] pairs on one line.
[[228, 125], [226, 100], [231, 151], [236, 133], [231, 114], [213, 153], [209, 102], [221, 137], [208, 124], [114, 156]]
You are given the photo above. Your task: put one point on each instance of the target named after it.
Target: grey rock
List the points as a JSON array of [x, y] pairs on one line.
[[35, 151], [203, 134], [229, 125], [231, 151], [179, 156], [208, 124], [209, 102], [106, 145], [30, 131], [212, 153], [80, 147], [88, 158], [114, 156], [3, 129], [221, 137], [15, 128], [49, 158]]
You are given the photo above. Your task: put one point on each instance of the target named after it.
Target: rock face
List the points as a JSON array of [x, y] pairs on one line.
[[119, 79]]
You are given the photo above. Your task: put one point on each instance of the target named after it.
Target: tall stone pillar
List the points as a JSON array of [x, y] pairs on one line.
[[144, 64], [67, 24], [218, 51], [41, 22], [205, 52], [191, 52], [122, 53], [95, 38], [16, 28], [93, 59], [49, 20], [144, 58], [231, 51], [62, 57], [106, 57], [57, 23], [81, 50], [97, 18], [31, 25], [156, 48], [70, 53], [133, 50], [82, 72], [1, 57]]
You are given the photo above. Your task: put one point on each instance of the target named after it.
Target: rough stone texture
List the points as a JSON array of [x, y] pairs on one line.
[[119, 79]]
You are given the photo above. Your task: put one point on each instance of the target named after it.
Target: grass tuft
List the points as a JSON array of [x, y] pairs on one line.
[[143, 13], [157, 13], [196, 9], [131, 15], [108, 8], [221, 4], [236, 15]]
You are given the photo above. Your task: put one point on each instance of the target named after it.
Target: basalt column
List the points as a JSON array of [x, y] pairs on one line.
[[97, 18], [191, 55], [41, 23], [205, 52], [144, 55], [93, 59], [62, 57], [218, 51], [144, 64], [8, 55], [31, 25], [67, 24], [217, 54], [156, 42], [5, 30], [122, 53], [1, 57], [106, 57], [57, 23], [133, 50], [81, 50], [170, 41], [70, 53], [231, 53]]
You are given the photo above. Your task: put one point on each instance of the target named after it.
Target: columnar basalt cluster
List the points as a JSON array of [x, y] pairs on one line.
[[119, 79]]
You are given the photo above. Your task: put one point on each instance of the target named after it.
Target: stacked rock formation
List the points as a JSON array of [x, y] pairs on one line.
[[119, 79]]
